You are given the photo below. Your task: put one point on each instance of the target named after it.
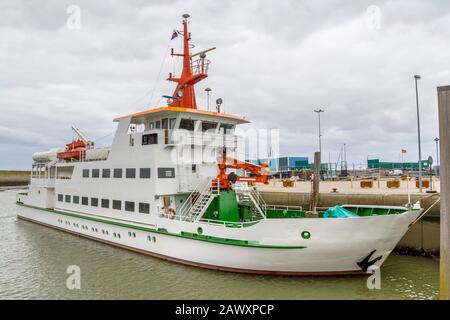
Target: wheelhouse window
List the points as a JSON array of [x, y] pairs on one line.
[[144, 207], [172, 123], [94, 202], [105, 203], [84, 201], [106, 173], [129, 206], [85, 173], [95, 173], [117, 204], [165, 123], [76, 199], [187, 124], [117, 173], [166, 173], [206, 126], [226, 128], [151, 138], [158, 124], [144, 173], [130, 173]]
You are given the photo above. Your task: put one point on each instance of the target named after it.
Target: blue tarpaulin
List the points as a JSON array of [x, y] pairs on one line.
[[339, 212]]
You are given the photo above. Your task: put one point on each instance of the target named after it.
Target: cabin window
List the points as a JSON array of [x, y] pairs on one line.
[[130, 173], [172, 123], [144, 207], [84, 201], [94, 202], [85, 173], [194, 168], [117, 204], [165, 123], [106, 173], [76, 199], [117, 173], [95, 173], [226, 128], [151, 125], [60, 197], [67, 198], [208, 126], [129, 206], [158, 124], [149, 139], [166, 173], [105, 203], [187, 124], [144, 173]]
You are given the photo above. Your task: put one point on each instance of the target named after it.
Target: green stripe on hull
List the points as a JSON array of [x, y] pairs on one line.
[[183, 234]]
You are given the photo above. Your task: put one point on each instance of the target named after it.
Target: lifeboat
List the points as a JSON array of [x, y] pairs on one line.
[[73, 150]]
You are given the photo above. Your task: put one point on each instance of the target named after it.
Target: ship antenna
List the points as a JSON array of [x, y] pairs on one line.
[[192, 72]]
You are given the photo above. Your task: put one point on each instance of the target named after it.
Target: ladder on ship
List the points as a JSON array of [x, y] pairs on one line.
[[252, 197], [198, 201]]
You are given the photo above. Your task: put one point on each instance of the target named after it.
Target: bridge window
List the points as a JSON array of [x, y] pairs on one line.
[[94, 202], [172, 123], [129, 206], [76, 199], [208, 126], [158, 124], [166, 173], [144, 207], [226, 128], [117, 204], [106, 173], [85, 173], [165, 123], [149, 139], [68, 198], [105, 203], [130, 173], [84, 201], [187, 124], [117, 173], [95, 173], [144, 173]]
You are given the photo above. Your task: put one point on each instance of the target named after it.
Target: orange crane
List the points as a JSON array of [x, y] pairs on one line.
[[258, 174]]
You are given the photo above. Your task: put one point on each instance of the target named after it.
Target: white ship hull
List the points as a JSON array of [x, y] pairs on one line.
[[334, 247]]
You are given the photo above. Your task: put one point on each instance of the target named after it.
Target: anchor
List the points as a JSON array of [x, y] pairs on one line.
[[364, 264]]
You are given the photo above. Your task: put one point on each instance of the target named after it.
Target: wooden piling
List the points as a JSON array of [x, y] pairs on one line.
[[444, 132], [316, 180]]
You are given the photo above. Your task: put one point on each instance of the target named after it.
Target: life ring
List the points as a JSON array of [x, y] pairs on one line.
[[171, 213]]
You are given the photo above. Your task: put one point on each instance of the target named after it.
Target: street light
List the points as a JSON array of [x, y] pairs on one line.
[[437, 156], [208, 90], [320, 134], [417, 77]]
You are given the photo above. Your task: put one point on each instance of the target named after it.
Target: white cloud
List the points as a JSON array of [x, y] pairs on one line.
[[275, 62]]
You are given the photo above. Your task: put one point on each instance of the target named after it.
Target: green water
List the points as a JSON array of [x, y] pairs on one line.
[[34, 259]]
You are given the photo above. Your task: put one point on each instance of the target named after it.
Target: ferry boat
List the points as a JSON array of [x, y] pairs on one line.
[[145, 194]]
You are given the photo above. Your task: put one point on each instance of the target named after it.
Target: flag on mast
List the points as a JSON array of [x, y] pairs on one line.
[[174, 34]]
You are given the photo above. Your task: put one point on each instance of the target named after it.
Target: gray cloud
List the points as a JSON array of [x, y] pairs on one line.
[[276, 61]]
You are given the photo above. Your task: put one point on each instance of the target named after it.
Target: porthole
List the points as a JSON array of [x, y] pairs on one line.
[[114, 234], [199, 230], [306, 235], [129, 233], [118, 235], [149, 238], [154, 239]]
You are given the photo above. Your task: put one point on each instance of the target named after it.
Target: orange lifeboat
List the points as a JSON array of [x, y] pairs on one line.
[[73, 151]]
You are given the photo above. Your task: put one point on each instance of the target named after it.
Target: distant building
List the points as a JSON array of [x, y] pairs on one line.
[[284, 163], [414, 166]]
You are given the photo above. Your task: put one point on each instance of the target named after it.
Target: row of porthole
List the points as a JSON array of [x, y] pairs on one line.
[[105, 232]]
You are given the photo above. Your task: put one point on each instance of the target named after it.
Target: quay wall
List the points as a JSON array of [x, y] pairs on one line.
[[14, 178]]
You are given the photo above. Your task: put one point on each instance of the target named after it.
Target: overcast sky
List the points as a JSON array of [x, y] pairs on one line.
[[276, 61]]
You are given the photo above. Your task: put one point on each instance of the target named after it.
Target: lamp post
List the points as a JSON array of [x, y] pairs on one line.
[[418, 77], [208, 90], [437, 155], [320, 133]]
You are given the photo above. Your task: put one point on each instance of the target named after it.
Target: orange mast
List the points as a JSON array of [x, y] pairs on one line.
[[193, 72]]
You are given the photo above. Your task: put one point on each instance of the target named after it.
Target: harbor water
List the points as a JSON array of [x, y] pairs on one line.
[[34, 261]]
